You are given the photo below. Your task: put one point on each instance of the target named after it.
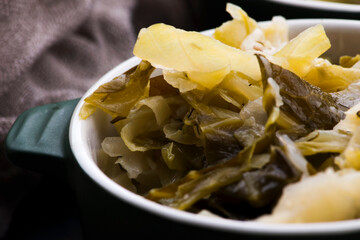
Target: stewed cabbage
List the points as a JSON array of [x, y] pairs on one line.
[[236, 123]]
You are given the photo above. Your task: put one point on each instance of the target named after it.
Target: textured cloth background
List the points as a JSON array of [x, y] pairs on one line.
[[55, 50]]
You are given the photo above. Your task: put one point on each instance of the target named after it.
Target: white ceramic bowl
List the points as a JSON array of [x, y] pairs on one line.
[[321, 5], [86, 136]]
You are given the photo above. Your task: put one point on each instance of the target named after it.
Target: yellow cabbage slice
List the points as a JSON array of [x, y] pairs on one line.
[[141, 122], [209, 79], [277, 32], [180, 80], [238, 13], [348, 61], [350, 157], [331, 77], [233, 32], [119, 95], [324, 197], [159, 105], [351, 121], [323, 141], [244, 33], [87, 110], [170, 158], [236, 84], [298, 55], [167, 47]]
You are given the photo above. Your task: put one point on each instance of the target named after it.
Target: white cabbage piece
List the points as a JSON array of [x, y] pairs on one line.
[[108, 166], [134, 165], [294, 154], [276, 34], [180, 81], [324, 197], [351, 121], [245, 33], [348, 97], [144, 119], [133, 162], [323, 141], [239, 86], [350, 157]]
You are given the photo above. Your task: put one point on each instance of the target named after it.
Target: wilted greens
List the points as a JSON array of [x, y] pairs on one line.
[[230, 120]]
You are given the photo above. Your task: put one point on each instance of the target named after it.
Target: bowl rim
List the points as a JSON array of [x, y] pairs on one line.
[[320, 5], [235, 226]]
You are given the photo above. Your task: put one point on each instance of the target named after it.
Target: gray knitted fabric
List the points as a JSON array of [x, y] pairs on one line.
[[52, 51]]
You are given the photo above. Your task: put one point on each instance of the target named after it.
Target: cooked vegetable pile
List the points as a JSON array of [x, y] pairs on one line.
[[228, 123]]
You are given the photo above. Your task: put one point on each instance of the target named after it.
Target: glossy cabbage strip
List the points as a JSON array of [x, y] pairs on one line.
[[189, 193], [235, 83], [258, 188], [151, 120], [143, 138], [323, 141], [272, 167], [272, 94], [119, 95], [303, 101], [182, 157], [215, 127], [294, 154], [196, 185], [219, 141]]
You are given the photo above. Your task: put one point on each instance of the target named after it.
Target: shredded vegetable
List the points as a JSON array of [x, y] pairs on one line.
[[239, 123]]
